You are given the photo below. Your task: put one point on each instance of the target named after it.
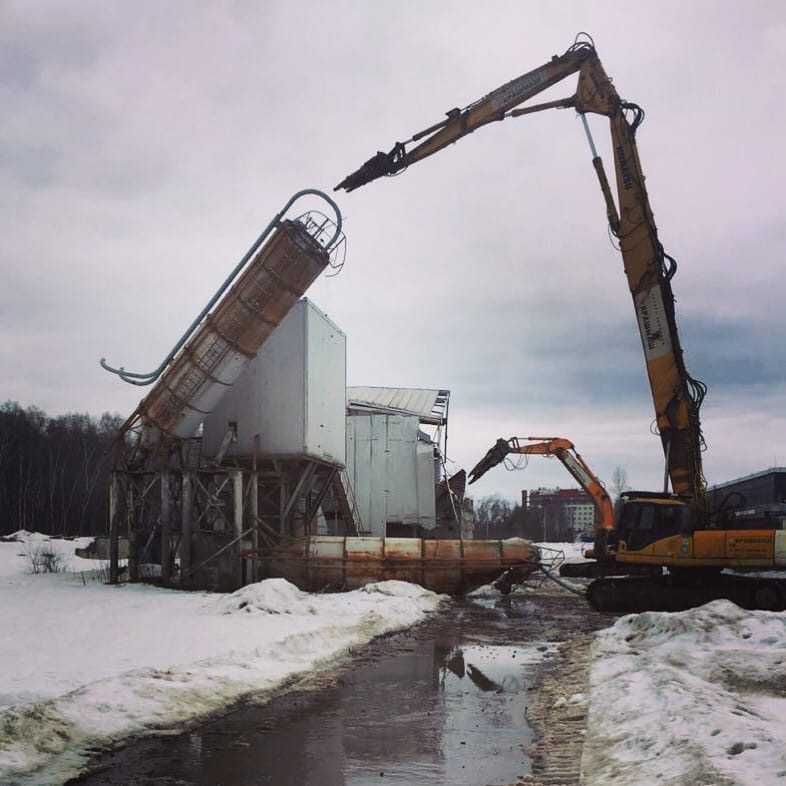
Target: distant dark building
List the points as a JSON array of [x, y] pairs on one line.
[[561, 514], [761, 488]]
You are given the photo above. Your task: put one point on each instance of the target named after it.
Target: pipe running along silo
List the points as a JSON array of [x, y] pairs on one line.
[[272, 276]]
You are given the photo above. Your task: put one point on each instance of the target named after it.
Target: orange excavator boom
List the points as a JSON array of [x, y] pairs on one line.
[[566, 452]]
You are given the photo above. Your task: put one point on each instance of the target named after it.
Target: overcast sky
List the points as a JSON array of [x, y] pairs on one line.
[[143, 146]]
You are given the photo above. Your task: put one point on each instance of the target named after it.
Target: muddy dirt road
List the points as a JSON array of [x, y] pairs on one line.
[[488, 692]]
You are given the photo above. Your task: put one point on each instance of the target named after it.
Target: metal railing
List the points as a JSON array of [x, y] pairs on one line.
[[319, 230]]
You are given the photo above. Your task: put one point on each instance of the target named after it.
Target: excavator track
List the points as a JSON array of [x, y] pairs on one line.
[[667, 593]]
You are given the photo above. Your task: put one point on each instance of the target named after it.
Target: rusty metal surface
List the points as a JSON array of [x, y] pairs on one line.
[[230, 336], [447, 566]]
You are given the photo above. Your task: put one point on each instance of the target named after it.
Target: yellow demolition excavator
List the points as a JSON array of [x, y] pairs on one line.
[[676, 537]]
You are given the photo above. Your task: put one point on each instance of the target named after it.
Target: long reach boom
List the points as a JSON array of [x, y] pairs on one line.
[[649, 269]]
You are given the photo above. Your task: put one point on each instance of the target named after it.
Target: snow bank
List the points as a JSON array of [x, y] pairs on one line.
[[87, 664], [690, 697], [397, 589], [274, 596], [17, 549]]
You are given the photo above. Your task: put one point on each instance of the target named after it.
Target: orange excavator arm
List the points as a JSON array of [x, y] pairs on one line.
[[566, 452], [649, 269]]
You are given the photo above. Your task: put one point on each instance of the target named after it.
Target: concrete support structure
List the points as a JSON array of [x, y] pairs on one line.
[[114, 524], [133, 561], [166, 512], [186, 527], [253, 521], [220, 519], [237, 520]]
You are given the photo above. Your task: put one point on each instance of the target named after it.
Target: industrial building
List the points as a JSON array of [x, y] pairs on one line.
[[249, 451], [560, 514], [289, 447], [383, 444], [395, 441], [292, 403], [767, 487]]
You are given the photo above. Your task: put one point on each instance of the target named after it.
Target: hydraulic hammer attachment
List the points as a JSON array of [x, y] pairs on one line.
[[495, 455], [377, 166]]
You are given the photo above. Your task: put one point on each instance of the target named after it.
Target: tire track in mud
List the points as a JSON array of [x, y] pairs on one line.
[[558, 704]]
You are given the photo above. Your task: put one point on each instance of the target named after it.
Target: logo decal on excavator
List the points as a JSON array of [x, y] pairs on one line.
[[516, 91], [627, 177], [652, 323]]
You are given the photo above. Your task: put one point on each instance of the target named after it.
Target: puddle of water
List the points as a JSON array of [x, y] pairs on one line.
[[441, 714], [445, 707]]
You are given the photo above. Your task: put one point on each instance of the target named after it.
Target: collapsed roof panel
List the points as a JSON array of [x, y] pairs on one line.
[[429, 405]]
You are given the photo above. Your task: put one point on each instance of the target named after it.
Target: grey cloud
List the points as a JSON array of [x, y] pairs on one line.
[[34, 39], [142, 147], [736, 352], [32, 165]]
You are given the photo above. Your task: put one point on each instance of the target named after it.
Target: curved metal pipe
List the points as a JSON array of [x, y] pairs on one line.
[[134, 378]]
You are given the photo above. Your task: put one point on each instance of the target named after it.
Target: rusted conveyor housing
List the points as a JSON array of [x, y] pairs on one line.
[[207, 360], [318, 563]]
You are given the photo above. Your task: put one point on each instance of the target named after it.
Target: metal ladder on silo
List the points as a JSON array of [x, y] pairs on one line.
[[347, 505]]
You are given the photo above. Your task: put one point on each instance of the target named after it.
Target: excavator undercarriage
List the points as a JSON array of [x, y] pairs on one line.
[[680, 591]]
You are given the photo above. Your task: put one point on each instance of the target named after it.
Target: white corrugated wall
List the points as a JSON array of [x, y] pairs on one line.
[[392, 474]]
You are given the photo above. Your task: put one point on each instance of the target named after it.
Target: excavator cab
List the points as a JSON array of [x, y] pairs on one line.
[[645, 519]]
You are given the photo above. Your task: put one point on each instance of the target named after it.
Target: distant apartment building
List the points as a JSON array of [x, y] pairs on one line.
[[559, 514]]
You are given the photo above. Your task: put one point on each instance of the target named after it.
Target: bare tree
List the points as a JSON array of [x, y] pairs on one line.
[[492, 516], [44, 558], [619, 482]]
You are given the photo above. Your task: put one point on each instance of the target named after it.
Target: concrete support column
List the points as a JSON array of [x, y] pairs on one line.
[[114, 525], [282, 503], [237, 521], [187, 523], [166, 513], [133, 551], [253, 521]]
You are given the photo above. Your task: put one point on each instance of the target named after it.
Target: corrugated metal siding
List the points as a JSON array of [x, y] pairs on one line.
[[414, 401], [391, 472]]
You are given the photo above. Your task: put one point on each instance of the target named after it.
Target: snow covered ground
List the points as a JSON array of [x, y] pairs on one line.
[[16, 556], [694, 697], [83, 663]]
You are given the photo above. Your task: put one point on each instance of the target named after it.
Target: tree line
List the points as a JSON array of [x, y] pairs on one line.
[[54, 471], [496, 517]]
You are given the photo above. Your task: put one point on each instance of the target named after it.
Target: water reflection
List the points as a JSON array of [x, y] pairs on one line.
[[443, 708]]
